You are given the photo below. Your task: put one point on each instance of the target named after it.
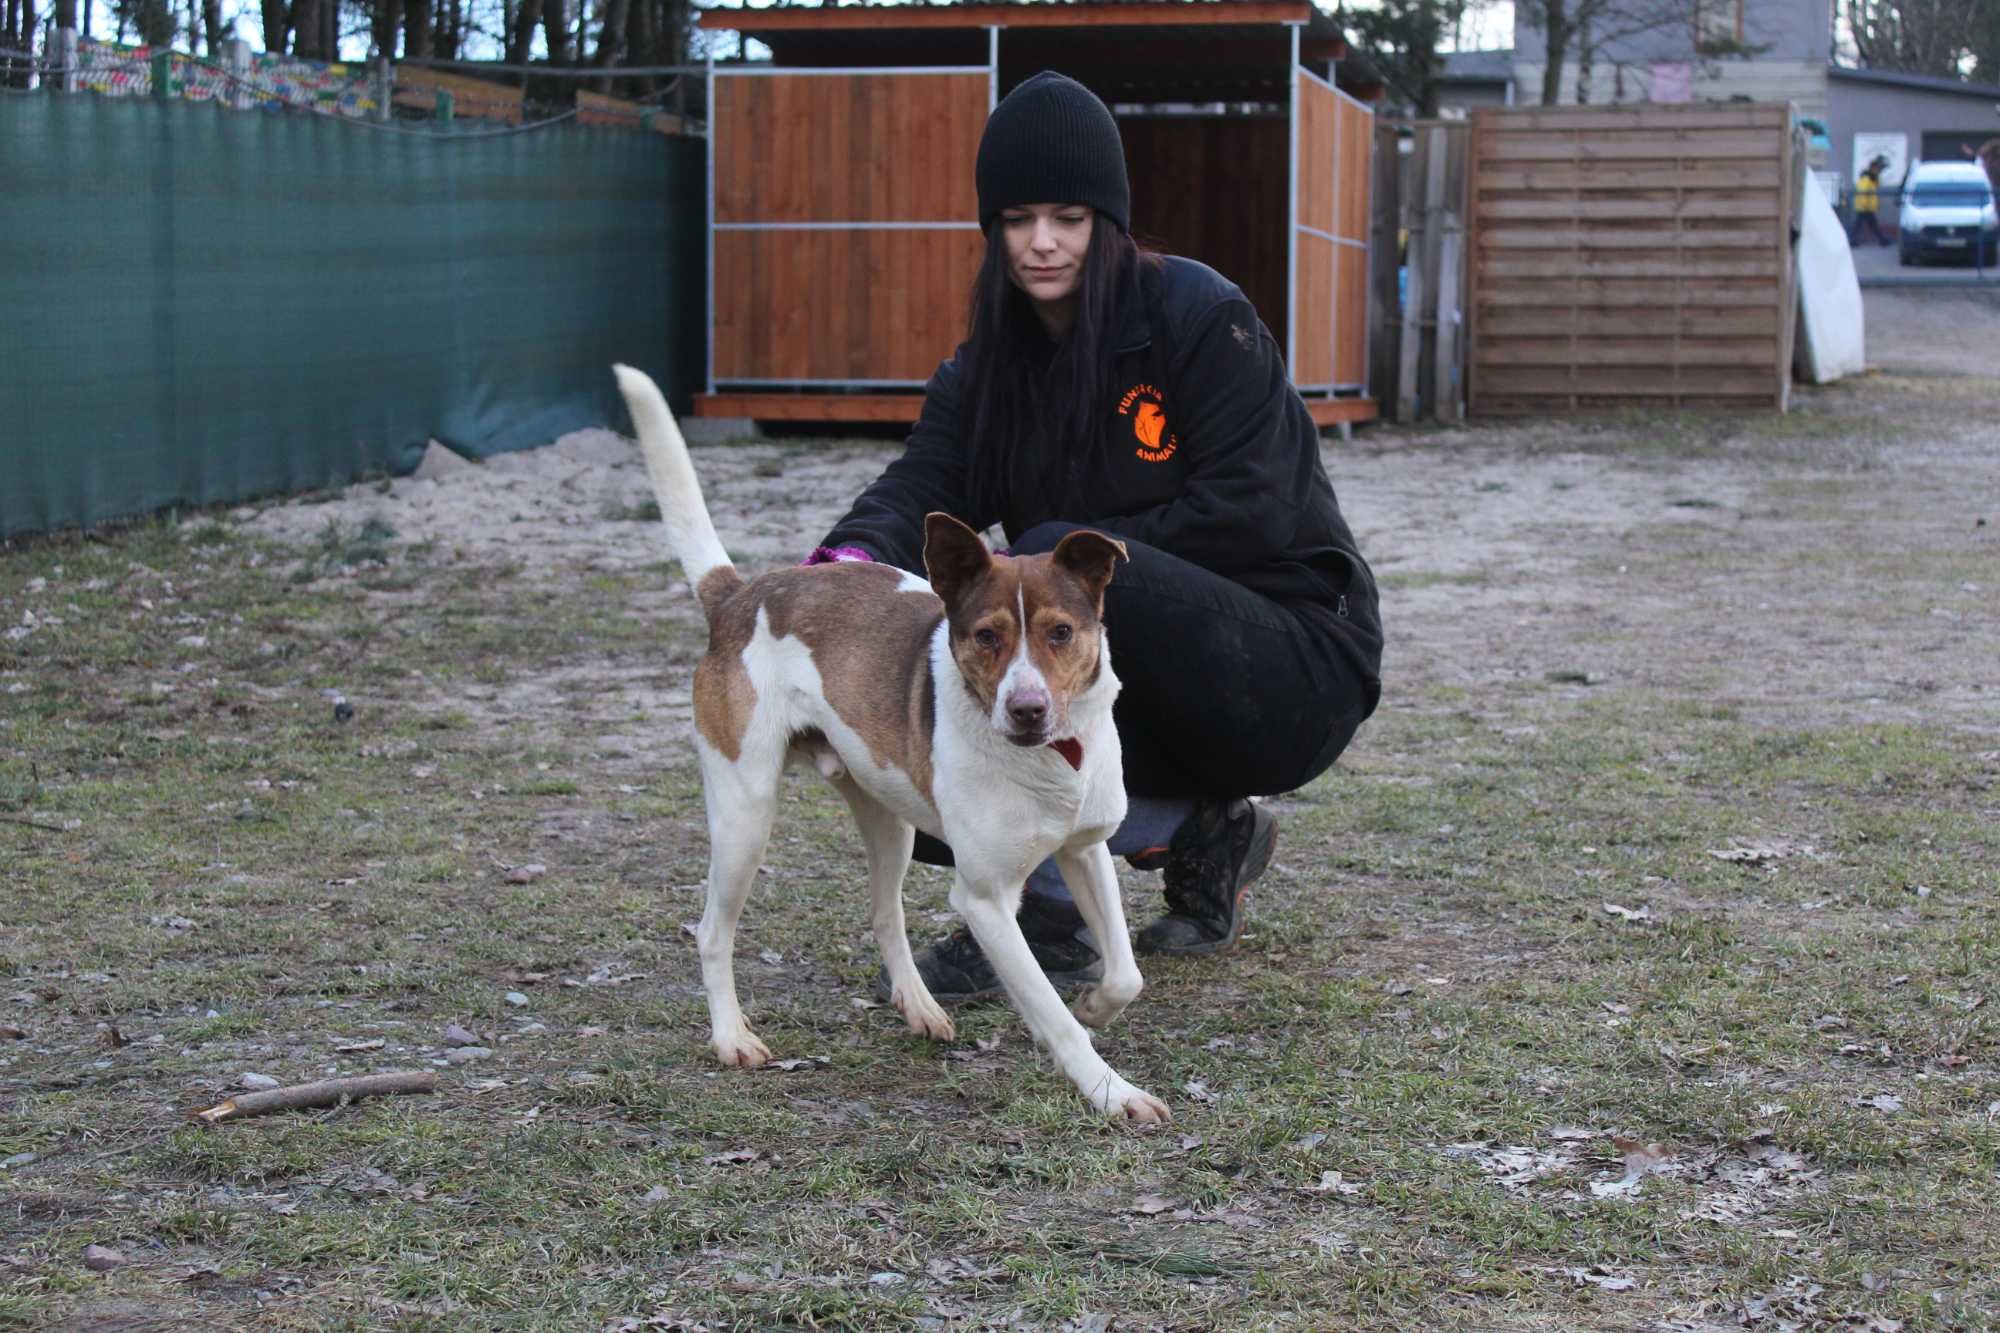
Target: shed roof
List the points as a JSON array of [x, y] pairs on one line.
[[1929, 83], [1127, 50]]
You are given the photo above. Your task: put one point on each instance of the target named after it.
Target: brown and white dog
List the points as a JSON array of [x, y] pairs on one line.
[[975, 706]]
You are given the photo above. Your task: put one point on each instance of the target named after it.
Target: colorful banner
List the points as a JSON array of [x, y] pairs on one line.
[[270, 81]]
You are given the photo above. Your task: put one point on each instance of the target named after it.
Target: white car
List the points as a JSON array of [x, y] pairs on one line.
[[1946, 209]]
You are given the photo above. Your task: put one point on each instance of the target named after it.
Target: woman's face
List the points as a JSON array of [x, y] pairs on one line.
[[1045, 248]]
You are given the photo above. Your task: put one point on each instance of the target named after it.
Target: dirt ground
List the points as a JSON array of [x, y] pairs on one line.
[[1546, 524], [1631, 970]]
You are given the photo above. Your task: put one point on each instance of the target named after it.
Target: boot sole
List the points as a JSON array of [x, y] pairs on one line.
[[1260, 860]]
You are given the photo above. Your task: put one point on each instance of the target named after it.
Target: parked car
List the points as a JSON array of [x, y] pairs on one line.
[[1947, 212]]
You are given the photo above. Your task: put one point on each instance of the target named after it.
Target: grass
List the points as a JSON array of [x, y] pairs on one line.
[[1394, 1109]]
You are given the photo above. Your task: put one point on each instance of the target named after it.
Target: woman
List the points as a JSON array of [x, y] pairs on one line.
[[1105, 387]]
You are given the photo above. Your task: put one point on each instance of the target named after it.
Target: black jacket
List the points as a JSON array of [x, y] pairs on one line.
[[1206, 452]]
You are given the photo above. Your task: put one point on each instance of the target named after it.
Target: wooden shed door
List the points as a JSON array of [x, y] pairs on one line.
[[1336, 137], [846, 226]]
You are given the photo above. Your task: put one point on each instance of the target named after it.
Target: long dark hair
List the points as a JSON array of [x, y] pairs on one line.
[[1029, 400]]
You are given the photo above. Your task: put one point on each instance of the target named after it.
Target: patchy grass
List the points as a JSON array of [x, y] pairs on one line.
[[1497, 953]]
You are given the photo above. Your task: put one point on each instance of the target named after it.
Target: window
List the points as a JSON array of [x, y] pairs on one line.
[[1718, 26]]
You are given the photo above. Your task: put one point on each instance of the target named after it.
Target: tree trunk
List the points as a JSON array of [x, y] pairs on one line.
[[1586, 59], [1556, 32], [417, 30], [277, 25], [521, 37], [307, 29], [385, 21], [555, 30], [611, 38], [211, 26]]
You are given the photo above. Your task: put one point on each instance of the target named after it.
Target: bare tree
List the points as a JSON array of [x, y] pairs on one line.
[[1921, 36], [1401, 37], [1591, 32]]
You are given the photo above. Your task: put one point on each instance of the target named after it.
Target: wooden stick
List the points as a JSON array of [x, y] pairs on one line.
[[330, 1092], [32, 823]]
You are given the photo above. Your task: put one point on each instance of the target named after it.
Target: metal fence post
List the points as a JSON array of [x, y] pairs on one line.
[[66, 59], [384, 86], [444, 106], [239, 72], [163, 74]]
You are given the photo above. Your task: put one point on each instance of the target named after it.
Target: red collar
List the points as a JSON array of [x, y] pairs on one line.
[[1069, 748]]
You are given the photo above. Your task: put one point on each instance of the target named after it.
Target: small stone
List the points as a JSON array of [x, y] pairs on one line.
[[259, 1082], [515, 998], [454, 1035], [18, 1159], [465, 1055], [102, 1258]]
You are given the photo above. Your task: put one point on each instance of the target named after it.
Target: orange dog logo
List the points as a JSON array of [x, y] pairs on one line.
[[1148, 409]]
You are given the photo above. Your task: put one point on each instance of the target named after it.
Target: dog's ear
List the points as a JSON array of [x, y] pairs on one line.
[[953, 555], [1091, 556]]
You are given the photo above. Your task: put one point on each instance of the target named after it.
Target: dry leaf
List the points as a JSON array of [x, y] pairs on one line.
[[357, 1047], [1152, 1205], [1330, 1182], [1198, 1090], [1629, 913], [1888, 1102], [526, 874], [733, 1157]]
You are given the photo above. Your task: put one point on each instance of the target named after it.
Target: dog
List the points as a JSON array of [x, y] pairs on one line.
[[975, 705]]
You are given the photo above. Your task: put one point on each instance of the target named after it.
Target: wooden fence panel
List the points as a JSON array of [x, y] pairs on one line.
[[839, 306], [1631, 255], [1316, 171]]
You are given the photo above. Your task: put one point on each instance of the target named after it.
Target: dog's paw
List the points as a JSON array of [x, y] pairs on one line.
[[1134, 1105], [742, 1051], [925, 1017]]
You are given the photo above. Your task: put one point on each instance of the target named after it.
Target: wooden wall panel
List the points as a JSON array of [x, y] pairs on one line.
[[1318, 168], [847, 147], [1350, 317], [1312, 364], [840, 305], [1357, 136], [1630, 255], [1213, 189]]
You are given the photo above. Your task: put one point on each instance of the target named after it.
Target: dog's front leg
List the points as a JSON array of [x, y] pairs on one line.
[[1093, 881], [989, 908]]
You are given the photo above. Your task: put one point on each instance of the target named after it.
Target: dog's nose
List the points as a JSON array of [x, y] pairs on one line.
[[1028, 709]]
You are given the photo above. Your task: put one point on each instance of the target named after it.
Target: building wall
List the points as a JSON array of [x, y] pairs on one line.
[[1801, 82], [1862, 107], [1785, 29]]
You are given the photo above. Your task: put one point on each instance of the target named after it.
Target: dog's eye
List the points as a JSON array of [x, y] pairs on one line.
[[986, 638], [1061, 634]]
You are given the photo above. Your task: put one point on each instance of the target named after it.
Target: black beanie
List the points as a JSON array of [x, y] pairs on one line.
[[1051, 141]]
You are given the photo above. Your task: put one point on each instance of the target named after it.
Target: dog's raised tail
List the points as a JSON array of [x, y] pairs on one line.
[[690, 531]]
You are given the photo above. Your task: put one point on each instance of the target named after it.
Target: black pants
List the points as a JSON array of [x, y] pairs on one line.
[[1225, 692], [1871, 223]]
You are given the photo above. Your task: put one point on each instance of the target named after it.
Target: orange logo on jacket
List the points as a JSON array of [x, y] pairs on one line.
[[1148, 409]]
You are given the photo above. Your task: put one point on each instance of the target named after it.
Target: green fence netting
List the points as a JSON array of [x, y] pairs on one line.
[[199, 305]]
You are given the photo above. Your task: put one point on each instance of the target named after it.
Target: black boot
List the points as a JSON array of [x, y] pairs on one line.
[[956, 970], [1216, 854]]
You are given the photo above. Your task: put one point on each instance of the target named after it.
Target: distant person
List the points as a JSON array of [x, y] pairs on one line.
[[1987, 155], [1867, 198]]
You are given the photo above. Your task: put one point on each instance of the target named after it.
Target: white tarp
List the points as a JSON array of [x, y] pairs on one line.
[[1829, 341]]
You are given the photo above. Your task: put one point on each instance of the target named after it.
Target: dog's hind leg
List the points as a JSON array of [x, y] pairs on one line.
[[1093, 881], [889, 839], [742, 802]]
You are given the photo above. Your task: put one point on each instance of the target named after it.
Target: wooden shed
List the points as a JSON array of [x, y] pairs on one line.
[[1631, 256], [843, 228]]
